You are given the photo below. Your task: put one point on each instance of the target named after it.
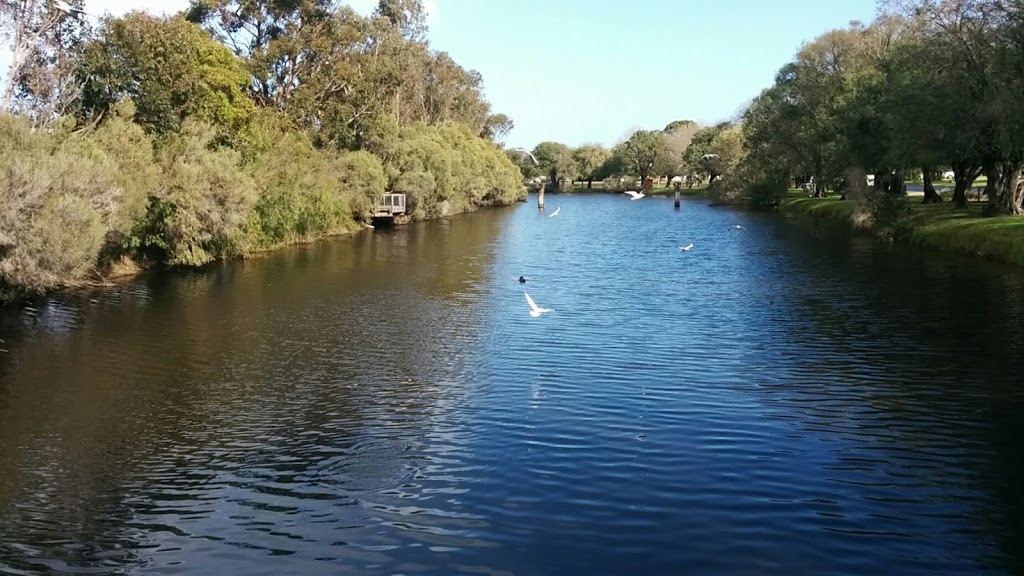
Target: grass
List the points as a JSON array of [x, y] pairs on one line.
[[933, 226]]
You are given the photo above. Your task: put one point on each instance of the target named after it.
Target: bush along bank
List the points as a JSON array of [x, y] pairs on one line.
[[154, 144]]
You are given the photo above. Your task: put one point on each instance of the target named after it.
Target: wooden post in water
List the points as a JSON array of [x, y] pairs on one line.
[[540, 197], [677, 184]]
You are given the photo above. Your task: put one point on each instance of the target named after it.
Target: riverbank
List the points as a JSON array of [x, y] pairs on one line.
[[932, 226], [83, 208], [128, 269]]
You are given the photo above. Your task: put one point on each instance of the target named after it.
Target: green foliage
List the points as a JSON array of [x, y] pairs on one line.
[[889, 213], [134, 168], [361, 175], [589, 160], [497, 127], [297, 198], [556, 162], [639, 153], [447, 169], [209, 195], [239, 127], [172, 70], [58, 204], [766, 193]]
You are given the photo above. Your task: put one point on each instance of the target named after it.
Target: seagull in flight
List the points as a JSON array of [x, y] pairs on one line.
[[535, 310], [737, 227], [528, 153], [709, 156], [555, 213], [634, 195], [686, 248], [66, 8]]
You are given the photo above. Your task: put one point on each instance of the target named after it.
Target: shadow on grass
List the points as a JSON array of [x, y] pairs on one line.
[[934, 226]]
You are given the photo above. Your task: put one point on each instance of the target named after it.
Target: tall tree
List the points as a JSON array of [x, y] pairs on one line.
[[640, 152], [497, 127], [408, 16], [40, 34], [590, 158], [171, 69], [556, 162], [677, 138]]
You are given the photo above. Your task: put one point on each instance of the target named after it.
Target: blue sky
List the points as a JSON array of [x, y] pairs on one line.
[[578, 71]]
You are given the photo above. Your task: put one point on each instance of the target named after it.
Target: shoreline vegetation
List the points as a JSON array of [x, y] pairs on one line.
[[237, 127], [225, 131], [927, 95]]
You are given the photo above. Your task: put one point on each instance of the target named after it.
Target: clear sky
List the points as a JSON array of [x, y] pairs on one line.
[[579, 71]]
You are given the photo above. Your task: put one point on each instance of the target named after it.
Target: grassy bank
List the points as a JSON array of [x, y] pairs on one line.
[[933, 226]]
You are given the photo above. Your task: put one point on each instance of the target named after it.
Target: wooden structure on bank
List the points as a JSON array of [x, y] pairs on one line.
[[391, 211]]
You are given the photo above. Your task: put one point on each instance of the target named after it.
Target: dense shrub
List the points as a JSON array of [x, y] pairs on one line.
[[58, 204]]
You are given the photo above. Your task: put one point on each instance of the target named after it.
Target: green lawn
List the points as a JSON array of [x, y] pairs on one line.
[[935, 226]]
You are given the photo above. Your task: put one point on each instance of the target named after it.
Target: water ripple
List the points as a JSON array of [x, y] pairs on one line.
[[767, 402]]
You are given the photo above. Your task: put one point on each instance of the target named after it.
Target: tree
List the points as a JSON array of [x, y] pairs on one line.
[[497, 127], [556, 162], [283, 41], [41, 35], [408, 16], [696, 159], [590, 158], [678, 135], [170, 68], [640, 152]]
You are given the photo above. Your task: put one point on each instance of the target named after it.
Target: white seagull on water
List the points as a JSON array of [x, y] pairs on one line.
[[686, 248], [555, 213], [535, 310], [634, 195], [737, 227]]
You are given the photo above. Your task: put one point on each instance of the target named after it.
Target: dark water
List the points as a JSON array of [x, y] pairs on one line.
[[772, 402]]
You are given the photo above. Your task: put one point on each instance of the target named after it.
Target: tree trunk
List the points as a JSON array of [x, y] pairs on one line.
[[896, 186], [13, 71], [964, 175], [590, 182], [930, 195], [1009, 199], [882, 178], [991, 188]]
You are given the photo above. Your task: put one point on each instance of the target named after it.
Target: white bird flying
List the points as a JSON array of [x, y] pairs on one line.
[[709, 156], [528, 153], [66, 8], [555, 213], [634, 195], [686, 248], [737, 227], [535, 310]]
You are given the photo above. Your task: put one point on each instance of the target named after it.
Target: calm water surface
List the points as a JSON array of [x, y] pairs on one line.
[[779, 401]]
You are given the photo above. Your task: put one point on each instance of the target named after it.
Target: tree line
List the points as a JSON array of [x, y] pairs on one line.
[[929, 86], [233, 127]]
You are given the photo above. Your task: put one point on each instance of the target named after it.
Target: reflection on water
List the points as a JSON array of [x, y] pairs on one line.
[[780, 400]]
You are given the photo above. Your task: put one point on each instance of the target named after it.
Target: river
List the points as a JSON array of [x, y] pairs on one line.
[[777, 400]]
